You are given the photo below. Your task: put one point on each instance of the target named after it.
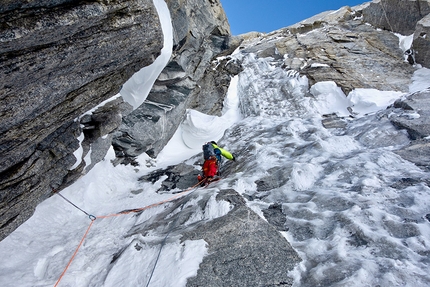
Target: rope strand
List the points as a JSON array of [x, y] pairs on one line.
[[74, 254], [161, 247], [93, 218]]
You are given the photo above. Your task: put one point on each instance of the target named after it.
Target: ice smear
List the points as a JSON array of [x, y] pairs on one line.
[[420, 80], [347, 221], [213, 209], [303, 176], [230, 109], [137, 88]]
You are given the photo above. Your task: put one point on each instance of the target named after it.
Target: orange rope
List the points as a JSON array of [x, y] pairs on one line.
[[151, 205], [118, 214], [74, 254]]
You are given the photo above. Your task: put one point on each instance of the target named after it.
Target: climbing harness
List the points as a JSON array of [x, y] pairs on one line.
[[93, 218]]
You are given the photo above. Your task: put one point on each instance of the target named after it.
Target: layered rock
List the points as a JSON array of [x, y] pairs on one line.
[[59, 59], [340, 47], [191, 79], [406, 18]]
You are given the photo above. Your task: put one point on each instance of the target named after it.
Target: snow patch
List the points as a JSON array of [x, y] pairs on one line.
[[78, 153], [137, 88], [304, 175], [405, 42], [330, 99], [181, 260], [319, 65], [367, 101], [199, 128]]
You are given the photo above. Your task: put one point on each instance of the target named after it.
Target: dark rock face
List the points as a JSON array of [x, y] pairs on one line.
[[417, 126], [413, 115], [398, 16], [181, 177], [421, 42], [98, 128], [192, 79], [236, 256], [29, 182], [406, 18], [58, 60], [149, 127]]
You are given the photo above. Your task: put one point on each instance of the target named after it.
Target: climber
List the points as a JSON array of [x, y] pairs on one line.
[[220, 151], [212, 155], [209, 169]]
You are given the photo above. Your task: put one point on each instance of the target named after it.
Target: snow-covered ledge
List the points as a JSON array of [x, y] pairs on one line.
[[137, 88]]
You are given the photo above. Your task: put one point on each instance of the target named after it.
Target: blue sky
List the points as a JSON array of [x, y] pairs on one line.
[[269, 15]]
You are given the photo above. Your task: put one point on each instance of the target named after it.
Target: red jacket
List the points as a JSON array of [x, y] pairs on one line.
[[210, 168]]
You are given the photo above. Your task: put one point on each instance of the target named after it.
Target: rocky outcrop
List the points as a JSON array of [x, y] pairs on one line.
[[59, 59], [406, 18], [243, 248], [398, 16], [413, 115], [192, 79], [340, 47], [421, 43]]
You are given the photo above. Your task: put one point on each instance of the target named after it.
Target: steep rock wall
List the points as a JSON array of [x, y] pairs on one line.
[[60, 59], [405, 17], [200, 33]]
